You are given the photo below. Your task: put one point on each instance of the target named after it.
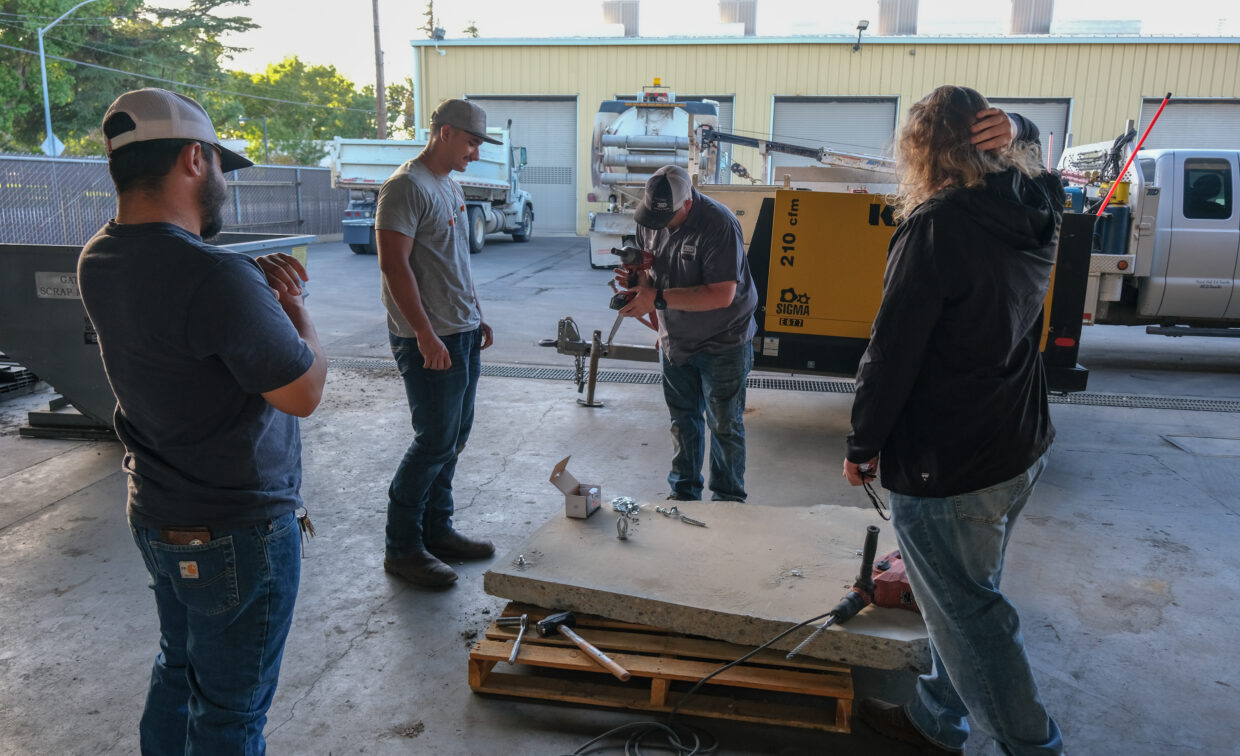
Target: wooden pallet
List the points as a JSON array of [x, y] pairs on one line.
[[767, 688]]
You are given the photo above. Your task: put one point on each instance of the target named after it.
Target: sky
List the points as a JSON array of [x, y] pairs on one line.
[[331, 36]]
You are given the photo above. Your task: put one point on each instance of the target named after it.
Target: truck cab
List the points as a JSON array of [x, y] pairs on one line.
[[1167, 257], [1193, 259]]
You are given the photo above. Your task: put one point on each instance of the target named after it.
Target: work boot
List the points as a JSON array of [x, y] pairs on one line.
[[892, 721], [421, 568], [453, 545]]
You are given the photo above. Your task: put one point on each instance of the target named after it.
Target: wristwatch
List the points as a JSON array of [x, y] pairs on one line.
[[659, 302]]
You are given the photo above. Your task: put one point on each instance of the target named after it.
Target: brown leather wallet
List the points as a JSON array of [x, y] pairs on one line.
[[185, 536]]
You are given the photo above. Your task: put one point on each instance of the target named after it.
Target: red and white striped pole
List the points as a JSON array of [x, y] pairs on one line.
[[1115, 183]]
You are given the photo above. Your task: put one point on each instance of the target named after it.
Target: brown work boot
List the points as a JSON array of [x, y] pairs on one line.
[[891, 721], [421, 568], [453, 545]]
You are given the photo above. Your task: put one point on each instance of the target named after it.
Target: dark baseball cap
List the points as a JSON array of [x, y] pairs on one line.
[[666, 192], [160, 114], [463, 115]]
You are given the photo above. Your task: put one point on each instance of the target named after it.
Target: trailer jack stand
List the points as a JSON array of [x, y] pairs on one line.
[[596, 349]]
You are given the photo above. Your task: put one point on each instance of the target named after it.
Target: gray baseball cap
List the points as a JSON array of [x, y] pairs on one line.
[[160, 114], [666, 192], [463, 115]]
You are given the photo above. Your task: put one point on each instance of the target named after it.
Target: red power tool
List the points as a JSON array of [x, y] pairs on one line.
[[634, 260], [882, 584], [891, 586]]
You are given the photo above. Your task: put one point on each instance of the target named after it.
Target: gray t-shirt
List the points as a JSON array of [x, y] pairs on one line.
[[707, 248], [430, 210]]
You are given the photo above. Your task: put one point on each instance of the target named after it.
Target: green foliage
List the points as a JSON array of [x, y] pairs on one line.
[[400, 109], [471, 30], [297, 134], [160, 46], [181, 44]]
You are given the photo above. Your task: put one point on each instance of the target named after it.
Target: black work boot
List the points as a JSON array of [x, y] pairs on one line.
[[453, 545], [421, 568], [892, 721]]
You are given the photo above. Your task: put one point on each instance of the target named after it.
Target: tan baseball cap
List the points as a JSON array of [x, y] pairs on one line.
[[160, 114], [463, 115], [666, 192]]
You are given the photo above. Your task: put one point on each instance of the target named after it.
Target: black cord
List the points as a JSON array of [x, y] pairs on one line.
[[880, 506], [674, 743]]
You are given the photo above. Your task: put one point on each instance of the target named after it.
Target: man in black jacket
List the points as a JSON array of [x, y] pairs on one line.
[[951, 395]]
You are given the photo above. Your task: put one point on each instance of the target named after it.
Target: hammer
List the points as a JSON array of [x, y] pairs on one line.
[[563, 623]]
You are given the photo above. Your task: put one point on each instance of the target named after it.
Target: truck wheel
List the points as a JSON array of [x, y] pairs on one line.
[[527, 226], [369, 248], [477, 230]]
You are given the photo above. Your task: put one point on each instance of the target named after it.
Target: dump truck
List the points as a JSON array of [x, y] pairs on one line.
[[494, 200], [632, 139], [1166, 250]]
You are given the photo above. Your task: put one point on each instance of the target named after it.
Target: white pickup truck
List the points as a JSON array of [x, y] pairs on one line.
[[494, 199], [1169, 257]]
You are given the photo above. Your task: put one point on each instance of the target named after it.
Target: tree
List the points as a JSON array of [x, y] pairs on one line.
[[400, 109], [126, 35], [471, 30], [429, 26], [298, 133]]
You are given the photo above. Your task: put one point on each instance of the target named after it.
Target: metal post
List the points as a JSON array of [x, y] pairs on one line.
[[49, 143], [300, 220], [266, 157], [236, 197], [596, 350]]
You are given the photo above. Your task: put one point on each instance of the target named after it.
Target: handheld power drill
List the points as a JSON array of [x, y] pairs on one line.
[[859, 596], [633, 260]]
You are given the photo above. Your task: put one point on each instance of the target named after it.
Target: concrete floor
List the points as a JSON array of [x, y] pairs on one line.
[[1123, 568]]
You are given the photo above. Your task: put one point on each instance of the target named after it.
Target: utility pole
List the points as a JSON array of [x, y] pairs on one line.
[[380, 93]]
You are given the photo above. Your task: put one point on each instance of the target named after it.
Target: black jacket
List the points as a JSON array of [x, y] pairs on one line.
[[951, 389]]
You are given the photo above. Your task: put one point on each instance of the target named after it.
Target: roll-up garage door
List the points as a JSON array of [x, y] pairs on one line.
[[547, 129], [1202, 124], [848, 124], [1049, 115]]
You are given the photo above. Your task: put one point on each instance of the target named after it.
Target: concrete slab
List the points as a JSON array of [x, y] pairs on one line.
[[750, 574]]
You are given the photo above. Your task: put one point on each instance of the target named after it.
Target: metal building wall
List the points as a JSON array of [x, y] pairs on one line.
[[1104, 80]]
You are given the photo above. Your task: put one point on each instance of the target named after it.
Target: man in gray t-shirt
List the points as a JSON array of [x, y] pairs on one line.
[[705, 298], [436, 332]]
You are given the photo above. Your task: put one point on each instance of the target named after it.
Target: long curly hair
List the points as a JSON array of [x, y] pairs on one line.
[[934, 151]]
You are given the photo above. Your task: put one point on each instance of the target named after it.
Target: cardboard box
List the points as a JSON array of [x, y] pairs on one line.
[[580, 499]]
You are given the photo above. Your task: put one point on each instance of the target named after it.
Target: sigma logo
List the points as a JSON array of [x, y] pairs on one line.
[[792, 303]]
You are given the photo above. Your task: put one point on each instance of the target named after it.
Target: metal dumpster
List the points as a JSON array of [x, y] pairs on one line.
[[44, 326]]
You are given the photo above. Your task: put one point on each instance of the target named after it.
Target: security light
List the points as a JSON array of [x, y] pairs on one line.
[[862, 25]]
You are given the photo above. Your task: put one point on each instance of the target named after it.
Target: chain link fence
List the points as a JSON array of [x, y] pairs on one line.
[[46, 200]]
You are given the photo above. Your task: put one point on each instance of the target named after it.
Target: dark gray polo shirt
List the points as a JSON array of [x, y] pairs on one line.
[[707, 248]]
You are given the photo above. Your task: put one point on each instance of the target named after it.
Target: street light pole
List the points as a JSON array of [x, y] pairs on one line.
[[243, 119], [51, 143]]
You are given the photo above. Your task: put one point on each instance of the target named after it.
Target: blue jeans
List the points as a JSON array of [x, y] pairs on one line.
[[953, 549], [713, 384], [225, 608], [441, 403]]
